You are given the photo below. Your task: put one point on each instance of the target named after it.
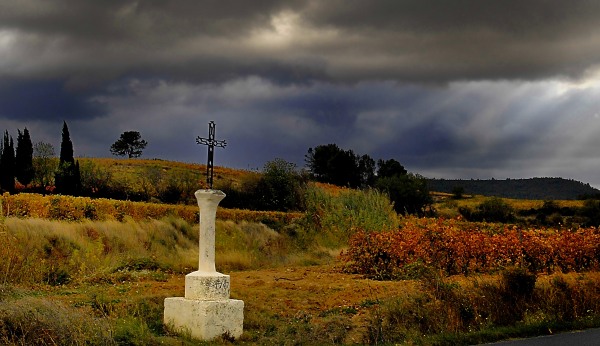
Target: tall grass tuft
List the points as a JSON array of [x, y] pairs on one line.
[[36, 321], [248, 245], [56, 252], [334, 218], [485, 309]]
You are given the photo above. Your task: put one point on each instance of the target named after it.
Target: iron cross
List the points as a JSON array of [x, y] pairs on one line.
[[211, 143]]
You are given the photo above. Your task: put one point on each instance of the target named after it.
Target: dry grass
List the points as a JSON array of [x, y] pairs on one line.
[[57, 207], [104, 281], [34, 321], [130, 170], [120, 276], [56, 252], [517, 204]]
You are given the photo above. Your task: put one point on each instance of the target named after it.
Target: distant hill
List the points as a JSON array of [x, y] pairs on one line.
[[534, 188]]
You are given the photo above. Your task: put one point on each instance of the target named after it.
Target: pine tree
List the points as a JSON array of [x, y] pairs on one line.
[[7, 164], [67, 177], [24, 171], [130, 143]]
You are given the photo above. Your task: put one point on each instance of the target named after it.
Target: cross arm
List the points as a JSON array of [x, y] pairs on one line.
[[211, 142]]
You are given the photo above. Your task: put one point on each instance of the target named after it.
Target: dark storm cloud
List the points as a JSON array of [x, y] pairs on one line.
[[299, 41], [113, 20], [45, 100], [90, 41], [449, 88]]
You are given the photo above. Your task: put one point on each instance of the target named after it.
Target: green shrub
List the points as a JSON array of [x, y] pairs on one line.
[[409, 192], [491, 210], [279, 188], [334, 218]]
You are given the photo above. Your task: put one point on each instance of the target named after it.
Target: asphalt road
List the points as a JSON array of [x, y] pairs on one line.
[[590, 337]]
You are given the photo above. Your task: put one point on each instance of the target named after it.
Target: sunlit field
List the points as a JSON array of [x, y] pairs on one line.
[[349, 270]]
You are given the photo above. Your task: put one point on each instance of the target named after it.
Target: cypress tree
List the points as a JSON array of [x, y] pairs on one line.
[[66, 146], [7, 164], [24, 171], [67, 177]]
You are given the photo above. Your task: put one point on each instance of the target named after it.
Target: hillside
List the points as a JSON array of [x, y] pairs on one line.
[[130, 170], [145, 178], [534, 188], [152, 179]]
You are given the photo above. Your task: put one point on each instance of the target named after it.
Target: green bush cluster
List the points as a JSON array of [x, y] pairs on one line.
[[335, 217], [491, 210], [549, 214], [279, 188]]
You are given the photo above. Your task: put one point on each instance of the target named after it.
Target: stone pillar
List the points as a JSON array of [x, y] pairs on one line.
[[206, 311], [207, 202]]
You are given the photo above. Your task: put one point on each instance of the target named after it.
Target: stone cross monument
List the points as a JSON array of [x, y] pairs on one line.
[[206, 311]]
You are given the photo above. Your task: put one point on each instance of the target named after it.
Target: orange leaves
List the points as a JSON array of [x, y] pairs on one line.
[[460, 248], [70, 208]]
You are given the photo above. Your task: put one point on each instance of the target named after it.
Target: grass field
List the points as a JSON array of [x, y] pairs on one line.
[[84, 271]]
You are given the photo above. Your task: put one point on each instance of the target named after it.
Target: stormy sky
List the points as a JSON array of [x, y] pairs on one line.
[[451, 89]]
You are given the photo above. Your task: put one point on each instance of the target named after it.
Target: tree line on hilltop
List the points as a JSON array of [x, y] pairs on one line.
[[331, 164], [29, 167], [34, 168], [18, 166], [533, 188], [281, 184]]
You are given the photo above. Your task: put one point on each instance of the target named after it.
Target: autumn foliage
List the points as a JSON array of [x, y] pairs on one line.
[[68, 208], [456, 247]]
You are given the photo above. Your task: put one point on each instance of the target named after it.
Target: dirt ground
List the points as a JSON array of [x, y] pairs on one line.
[[311, 289], [313, 292], [297, 292], [287, 291]]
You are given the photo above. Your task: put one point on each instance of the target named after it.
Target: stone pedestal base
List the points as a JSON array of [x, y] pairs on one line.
[[205, 319], [206, 286], [206, 312]]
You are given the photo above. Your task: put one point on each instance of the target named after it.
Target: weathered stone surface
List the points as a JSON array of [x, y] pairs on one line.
[[205, 319], [206, 286], [207, 202], [206, 312]]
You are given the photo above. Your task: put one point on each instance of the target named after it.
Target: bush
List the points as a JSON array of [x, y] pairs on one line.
[[337, 216], [409, 193], [456, 248], [513, 296], [279, 188], [591, 211], [492, 210], [518, 283]]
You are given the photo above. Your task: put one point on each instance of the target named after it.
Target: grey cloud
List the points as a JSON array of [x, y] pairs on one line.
[[449, 88], [438, 41], [466, 130], [301, 41], [114, 20]]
